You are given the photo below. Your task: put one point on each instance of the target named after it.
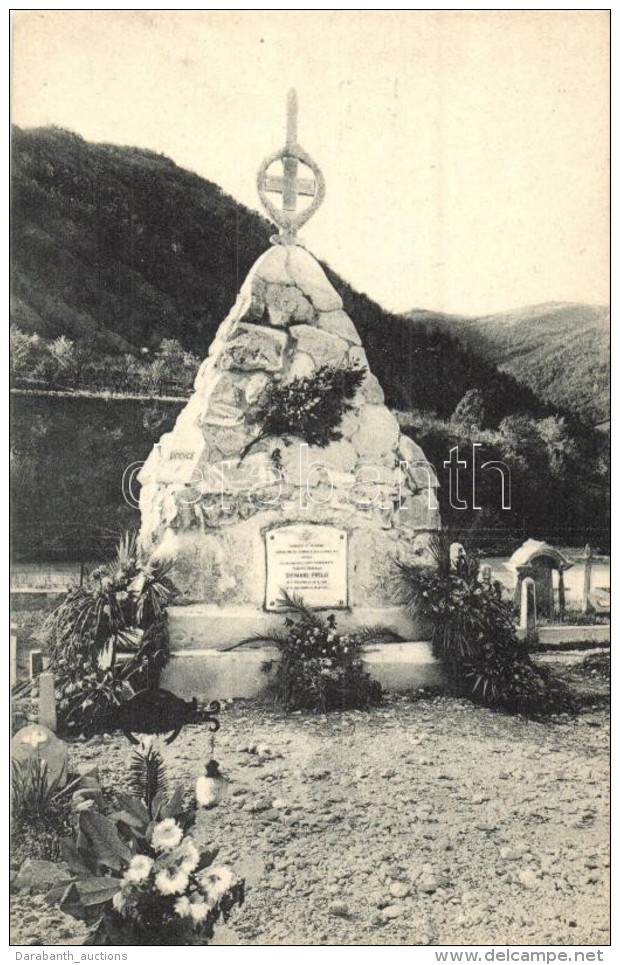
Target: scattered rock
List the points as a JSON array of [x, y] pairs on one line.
[[384, 841], [393, 911], [277, 883], [429, 883], [339, 909], [398, 889], [527, 878]]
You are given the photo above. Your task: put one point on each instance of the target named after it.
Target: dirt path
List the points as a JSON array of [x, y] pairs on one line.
[[422, 822]]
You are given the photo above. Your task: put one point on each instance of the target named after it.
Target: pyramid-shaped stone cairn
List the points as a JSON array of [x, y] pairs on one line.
[[211, 508]]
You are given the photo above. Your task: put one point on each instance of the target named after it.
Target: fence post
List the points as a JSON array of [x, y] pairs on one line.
[[527, 619], [561, 594], [587, 577], [47, 701]]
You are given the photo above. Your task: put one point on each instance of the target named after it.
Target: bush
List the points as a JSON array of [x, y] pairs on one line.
[[41, 810], [320, 669], [109, 638], [474, 636]]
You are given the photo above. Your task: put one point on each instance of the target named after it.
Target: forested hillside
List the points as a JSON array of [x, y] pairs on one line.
[[559, 350]]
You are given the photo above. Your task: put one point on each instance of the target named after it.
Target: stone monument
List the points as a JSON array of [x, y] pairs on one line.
[[246, 521]]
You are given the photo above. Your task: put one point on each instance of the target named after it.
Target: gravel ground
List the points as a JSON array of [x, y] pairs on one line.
[[422, 822]]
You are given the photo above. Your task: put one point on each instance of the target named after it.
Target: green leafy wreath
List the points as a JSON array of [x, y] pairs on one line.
[[310, 407]]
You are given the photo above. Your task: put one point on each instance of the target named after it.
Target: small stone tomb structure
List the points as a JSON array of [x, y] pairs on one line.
[[538, 560]]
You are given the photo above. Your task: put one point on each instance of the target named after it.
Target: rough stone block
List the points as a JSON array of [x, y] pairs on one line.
[[225, 402], [301, 367], [253, 347], [421, 472], [38, 742], [254, 385], [257, 308], [338, 323], [232, 441], [181, 452], [205, 626], [420, 552], [324, 349], [286, 305], [307, 274], [377, 434], [205, 372], [47, 701]]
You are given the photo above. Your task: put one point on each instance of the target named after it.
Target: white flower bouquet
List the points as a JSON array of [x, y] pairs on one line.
[[141, 878]]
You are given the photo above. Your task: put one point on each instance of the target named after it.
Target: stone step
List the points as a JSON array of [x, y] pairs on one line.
[[226, 675]]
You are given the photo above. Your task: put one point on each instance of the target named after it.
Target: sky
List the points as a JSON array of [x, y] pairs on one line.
[[466, 153]]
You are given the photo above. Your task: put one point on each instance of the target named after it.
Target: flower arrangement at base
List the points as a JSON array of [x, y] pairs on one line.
[[321, 669], [474, 636], [141, 879], [121, 607]]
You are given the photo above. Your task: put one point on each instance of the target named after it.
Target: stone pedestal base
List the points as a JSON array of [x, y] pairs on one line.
[[221, 675]]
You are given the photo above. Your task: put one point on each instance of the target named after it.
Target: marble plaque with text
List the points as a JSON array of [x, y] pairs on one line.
[[308, 561]]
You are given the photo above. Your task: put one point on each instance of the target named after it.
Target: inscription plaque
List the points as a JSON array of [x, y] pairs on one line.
[[309, 561]]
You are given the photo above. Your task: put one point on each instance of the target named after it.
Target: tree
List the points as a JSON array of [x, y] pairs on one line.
[[470, 411], [560, 445], [26, 351], [62, 352], [521, 445], [179, 365]]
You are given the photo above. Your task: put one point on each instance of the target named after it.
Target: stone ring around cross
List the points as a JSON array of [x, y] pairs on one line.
[[290, 221]]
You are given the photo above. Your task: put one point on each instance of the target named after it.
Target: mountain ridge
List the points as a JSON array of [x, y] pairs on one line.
[[560, 350]]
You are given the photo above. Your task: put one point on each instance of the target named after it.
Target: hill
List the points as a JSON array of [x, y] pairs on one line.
[[559, 350], [119, 249]]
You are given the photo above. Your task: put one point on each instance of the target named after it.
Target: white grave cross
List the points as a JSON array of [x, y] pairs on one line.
[[289, 185]]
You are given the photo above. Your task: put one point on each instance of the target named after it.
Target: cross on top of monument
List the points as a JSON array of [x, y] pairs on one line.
[[289, 185]]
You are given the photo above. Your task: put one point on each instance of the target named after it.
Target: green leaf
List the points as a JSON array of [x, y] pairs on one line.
[[97, 890], [77, 863], [125, 817], [55, 895], [159, 802], [70, 902], [108, 849], [135, 807], [207, 858], [173, 805]]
